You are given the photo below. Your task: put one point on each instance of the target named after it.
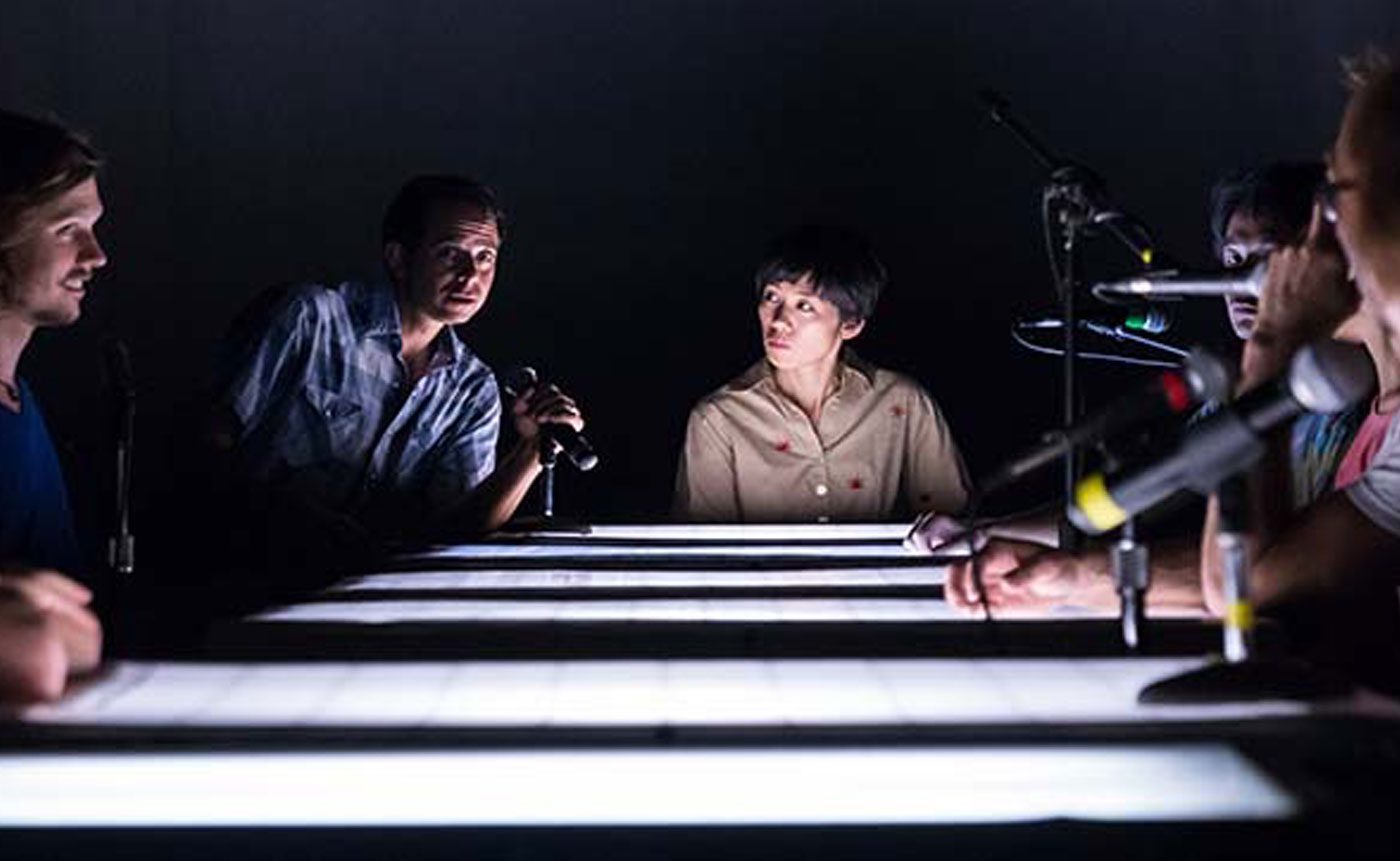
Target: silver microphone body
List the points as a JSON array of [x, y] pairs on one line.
[[1171, 284]]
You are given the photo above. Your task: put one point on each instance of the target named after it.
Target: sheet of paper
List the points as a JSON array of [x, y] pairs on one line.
[[583, 579], [746, 610], [522, 694], [583, 549], [734, 533]]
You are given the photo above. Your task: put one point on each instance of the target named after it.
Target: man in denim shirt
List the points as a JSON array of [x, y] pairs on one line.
[[358, 407]]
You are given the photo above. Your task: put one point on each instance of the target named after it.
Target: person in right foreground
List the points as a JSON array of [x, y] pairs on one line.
[[1338, 557]]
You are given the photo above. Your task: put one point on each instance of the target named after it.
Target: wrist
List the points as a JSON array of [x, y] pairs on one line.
[[1267, 353]]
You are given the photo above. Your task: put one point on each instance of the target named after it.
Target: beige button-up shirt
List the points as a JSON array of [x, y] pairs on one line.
[[751, 455]]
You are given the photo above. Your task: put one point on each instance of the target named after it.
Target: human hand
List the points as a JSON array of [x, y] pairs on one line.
[[64, 604], [1020, 576], [543, 405], [1306, 294]]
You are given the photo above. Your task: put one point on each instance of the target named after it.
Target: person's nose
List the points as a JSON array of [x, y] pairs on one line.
[[91, 254]]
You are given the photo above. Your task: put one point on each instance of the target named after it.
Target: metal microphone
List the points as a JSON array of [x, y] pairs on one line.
[[1174, 284], [1202, 377], [574, 445], [1325, 377], [1152, 321]]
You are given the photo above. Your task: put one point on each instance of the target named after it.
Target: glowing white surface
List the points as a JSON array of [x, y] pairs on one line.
[[765, 610], [899, 692], [733, 532], [638, 787], [576, 547], [576, 578]]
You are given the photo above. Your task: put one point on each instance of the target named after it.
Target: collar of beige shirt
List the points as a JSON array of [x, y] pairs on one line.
[[853, 374]]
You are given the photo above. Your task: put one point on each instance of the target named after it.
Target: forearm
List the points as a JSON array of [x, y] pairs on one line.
[[1173, 566], [495, 500]]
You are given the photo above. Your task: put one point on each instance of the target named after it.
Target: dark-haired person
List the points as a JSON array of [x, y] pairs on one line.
[[1252, 213], [49, 207], [811, 432], [356, 407], [1350, 538]]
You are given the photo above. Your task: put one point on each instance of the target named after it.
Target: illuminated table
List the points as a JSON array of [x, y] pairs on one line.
[[720, 546], [628, 744], [676, 787], [760, 696], [643, 581], [726, 533]]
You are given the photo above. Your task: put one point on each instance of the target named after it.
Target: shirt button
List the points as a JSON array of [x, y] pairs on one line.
[[821, 490]]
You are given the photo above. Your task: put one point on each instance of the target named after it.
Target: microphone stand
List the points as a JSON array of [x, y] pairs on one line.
[[1132, 577], [121, 547], [1078, 194], [549, 458], [1242, 676]]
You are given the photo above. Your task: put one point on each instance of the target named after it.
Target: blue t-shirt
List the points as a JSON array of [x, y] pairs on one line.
[[36, 524]]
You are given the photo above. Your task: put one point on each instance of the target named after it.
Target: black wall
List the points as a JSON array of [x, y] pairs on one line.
[[646, 151]]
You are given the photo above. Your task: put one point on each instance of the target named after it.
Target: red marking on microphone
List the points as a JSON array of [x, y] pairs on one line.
[[783, 445], [1177, 392]]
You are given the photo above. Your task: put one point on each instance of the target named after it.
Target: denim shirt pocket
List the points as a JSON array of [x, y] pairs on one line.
[[329, 427]]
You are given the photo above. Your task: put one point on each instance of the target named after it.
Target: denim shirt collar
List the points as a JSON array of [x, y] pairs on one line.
[[375, 314]]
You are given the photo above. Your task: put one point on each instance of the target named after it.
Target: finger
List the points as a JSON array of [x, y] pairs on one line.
[[544, 393], [41, 597], [559, 405], [954, 587], [63, 587], [521, 405], [1322, 234], [81, 636], [980, 574]]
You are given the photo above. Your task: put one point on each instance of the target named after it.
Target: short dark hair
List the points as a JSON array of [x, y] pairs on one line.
[[1279, 195], [39, 160], [842, 265], [1375, 86], [407, 216]]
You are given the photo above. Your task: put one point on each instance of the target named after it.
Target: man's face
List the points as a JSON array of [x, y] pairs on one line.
[[447, 276], [50, 256], [1247, 241], [1346, 172], [801, 329]]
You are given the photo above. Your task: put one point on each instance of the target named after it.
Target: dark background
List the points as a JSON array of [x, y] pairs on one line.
[[646, 151]]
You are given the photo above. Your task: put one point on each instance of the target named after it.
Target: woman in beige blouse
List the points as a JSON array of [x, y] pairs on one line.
[[812, 433]]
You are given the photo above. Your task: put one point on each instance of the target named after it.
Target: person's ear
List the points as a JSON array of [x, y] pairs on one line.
[[396, 261], [851, 328]]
